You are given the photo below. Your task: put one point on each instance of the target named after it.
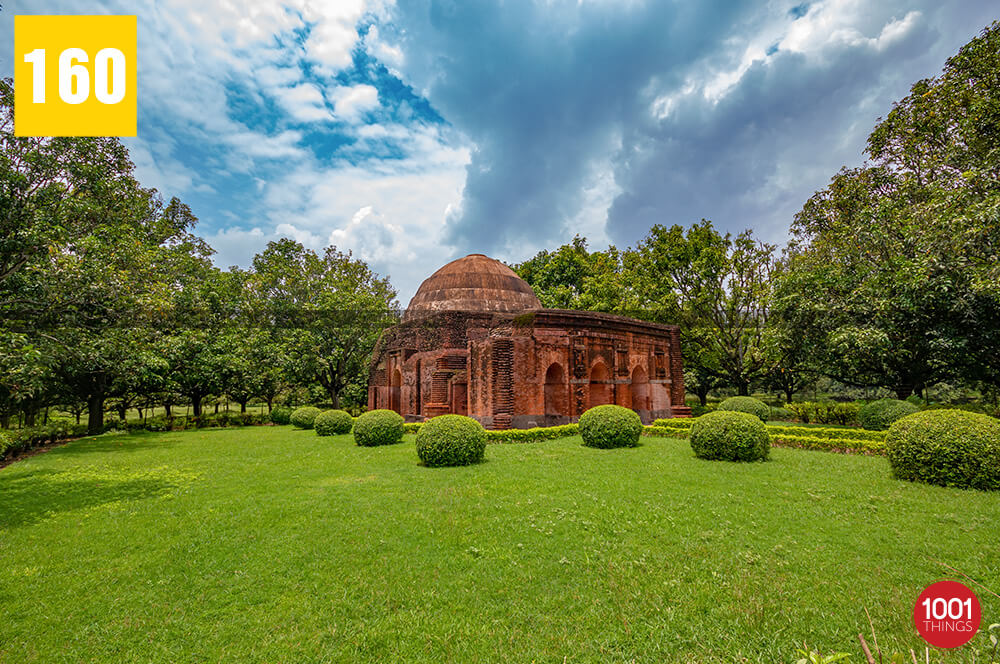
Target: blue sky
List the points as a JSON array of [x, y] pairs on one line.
[[413, 132]]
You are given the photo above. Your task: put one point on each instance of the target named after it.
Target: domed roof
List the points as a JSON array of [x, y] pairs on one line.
[[473, 283]]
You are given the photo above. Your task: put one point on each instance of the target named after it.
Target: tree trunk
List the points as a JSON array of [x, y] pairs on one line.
[[789, 391], [269, 405], [29, 417], [243, 406], [334, 397], [167, 406], [702, 396], [95, 413], [5, 421], [122, 411], [903, 391], [196, 404], [743, 389]]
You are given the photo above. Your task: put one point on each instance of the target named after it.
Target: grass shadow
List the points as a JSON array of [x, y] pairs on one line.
[[117, 443], [32, 496]]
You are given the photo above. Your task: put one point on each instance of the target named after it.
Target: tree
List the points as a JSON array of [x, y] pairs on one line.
[[571, 277], [717, 287], [893, 271], [330, 310]]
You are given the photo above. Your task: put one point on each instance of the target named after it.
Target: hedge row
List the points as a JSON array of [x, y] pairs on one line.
[[826, 432], [831, 439], [842, 445], [16, 441], [532, 435]]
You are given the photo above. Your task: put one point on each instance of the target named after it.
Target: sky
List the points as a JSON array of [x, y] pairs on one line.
[[415, 132]]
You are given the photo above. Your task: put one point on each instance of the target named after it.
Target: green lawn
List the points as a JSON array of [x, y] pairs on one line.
[[268, 544]]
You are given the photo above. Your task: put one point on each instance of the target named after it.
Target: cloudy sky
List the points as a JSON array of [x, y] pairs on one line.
[[413, 132]]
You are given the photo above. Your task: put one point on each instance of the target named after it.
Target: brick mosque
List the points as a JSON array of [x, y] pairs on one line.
[[476, 341]]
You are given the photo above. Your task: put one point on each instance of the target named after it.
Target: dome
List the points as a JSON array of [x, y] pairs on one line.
[[473, 283]]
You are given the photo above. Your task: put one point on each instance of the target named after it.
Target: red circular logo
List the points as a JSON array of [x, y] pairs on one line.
[[947, 614]]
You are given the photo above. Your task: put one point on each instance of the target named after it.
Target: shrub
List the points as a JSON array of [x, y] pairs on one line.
[[532, 435], [610, 426], [304, 417], [378, 427], [333, 423], [878, 415], [730, 436], [825, 412], [451, 440], [947, 448], [281, 415], [750, 405]]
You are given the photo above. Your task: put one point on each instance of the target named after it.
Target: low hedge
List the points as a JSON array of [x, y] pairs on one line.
[[333, 422], [379, 427], [946, 447], [826, 432], [675, 422], [825, 412], [840, 445], [730, 436], [532, 435], [878, 415], [754, 407], [610, 426], [17, 441], [304, 417]]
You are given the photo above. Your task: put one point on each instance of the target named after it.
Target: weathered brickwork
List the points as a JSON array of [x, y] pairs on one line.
[[484, 347]]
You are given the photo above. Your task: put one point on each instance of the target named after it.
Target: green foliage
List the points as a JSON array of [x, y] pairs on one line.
[[610, 426], [755, 407], [892, 276], [571, 277], [878, 415], [730, 436], [331, 309], [451, 440], [532, 435], [304, 417], [825, 412], [379, 427], [281, 415], [946, 447], [333, 423], [717, 288]]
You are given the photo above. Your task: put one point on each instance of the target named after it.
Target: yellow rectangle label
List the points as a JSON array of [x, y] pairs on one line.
[[75, 76]]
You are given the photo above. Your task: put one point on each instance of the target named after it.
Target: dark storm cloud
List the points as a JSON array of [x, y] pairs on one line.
[[549, 92]]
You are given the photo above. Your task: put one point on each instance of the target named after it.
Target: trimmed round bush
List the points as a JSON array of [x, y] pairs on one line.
[[878, 415], [333, 423], [451, 440], [610, 426], [755, 407], [281, 415], [946, 447], [304, 417], [378, 427], [728, 435]]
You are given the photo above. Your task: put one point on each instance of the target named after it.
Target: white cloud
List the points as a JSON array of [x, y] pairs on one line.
[[304, 102], [351, 101]]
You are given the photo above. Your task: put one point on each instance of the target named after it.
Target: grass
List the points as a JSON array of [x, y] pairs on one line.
[[269, 544]]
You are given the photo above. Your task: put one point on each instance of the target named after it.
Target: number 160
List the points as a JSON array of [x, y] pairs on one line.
[[74, 78]]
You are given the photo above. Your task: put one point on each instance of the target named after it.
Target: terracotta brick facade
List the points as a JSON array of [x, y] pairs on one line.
[[537, 368]]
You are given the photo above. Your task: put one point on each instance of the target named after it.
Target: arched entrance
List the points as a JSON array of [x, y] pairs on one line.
[[640, 391], [556, 391], [600, 386], [394, 391]]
